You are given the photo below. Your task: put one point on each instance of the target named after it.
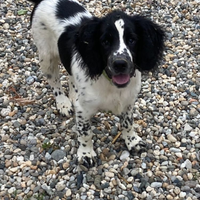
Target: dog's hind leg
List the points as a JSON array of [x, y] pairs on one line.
[[49, 66]]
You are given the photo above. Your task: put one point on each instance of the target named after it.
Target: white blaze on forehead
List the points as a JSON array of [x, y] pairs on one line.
[[119, 24]]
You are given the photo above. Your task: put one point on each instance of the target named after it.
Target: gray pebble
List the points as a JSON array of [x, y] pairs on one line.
[[58, 154], [156, 184]]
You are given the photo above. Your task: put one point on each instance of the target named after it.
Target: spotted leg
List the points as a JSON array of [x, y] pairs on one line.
[[49, 67], [132, 140], [86, 153]]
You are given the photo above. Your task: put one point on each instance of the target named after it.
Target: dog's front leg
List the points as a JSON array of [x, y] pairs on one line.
[[132, 140], [86, 153]]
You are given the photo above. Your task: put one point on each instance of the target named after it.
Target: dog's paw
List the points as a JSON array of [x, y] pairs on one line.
[[64, 105], [86, 158], [135, 143]]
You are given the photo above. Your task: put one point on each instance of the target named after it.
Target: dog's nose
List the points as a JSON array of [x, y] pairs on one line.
[[120, 65]]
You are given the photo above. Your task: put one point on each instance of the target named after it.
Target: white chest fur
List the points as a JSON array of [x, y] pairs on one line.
[[101, 94]]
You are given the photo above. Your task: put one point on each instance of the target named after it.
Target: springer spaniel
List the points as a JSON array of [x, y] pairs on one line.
[[104, 58]]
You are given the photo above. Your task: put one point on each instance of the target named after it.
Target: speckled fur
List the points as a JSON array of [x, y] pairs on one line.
[[89, 48]]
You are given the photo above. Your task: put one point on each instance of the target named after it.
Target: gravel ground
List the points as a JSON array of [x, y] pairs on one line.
[[38, 147]]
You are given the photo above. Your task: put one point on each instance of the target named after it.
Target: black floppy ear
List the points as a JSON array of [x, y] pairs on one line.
[[65, 47], [88, 46], [150, 44]]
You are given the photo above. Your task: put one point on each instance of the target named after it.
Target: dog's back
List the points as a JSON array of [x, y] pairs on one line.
[[50, 18]]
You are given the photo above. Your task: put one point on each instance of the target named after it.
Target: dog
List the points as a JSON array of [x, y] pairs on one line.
[[104, 58]]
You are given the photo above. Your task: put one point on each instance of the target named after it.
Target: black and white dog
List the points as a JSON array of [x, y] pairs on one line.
[[104, 58]]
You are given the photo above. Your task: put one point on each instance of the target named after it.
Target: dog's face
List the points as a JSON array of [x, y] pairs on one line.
[[117, 45]]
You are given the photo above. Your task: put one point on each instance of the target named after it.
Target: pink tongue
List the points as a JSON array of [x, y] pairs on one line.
[[121, 79]]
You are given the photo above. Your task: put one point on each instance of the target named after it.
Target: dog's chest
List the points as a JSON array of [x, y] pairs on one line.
[[103, 95]]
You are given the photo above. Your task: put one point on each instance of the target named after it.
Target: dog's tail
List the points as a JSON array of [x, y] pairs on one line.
[[35, 1]]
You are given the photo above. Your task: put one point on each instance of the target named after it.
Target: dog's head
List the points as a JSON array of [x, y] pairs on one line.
[[119, 44]]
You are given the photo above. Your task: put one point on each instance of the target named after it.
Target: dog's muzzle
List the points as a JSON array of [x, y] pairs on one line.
[[120, 70]]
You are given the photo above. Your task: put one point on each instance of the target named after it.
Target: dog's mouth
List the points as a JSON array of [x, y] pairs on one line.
[[121, 80]]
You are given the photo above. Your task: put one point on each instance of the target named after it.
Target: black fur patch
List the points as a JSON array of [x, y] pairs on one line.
[[95, 39], [66, 9]]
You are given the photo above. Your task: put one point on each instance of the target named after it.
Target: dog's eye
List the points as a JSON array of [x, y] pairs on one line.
[[106, 43], [131, 40]]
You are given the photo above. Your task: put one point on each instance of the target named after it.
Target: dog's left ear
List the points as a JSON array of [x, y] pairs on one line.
[[87, 44], [150, 43]]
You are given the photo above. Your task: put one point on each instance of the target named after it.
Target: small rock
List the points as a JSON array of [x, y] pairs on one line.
[[170, 197], [109, 174], [31, 79], [144, 165], [124, 155], [47, 189], [8, 163], [191, 184], [68, 193], [58, 155], [171, 138], [149, 173], [130, 195], [60, 186], [193, 112], [187, 127], [156, 184], [65, 165], [6, 26], [47, 156], [5, 112], [97, 181], [182, 194], [14, 169], [175, 150], [11, 190], [16, 124], [177, 190], [187, 164], [4, 138], [179, 154]]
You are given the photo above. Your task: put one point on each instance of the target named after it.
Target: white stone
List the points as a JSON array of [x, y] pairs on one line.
[[5, 112], [182, 194], [171, 138], [187, 127], [47, 156], [109, 174], [148, 189], [11, 190], [177, 190], [130, 179], [14, 169], [179, 155], [60, 186], [124, 155], [20, 158], [156, 152], [190, 176], [188, 164], [68, 193], [149, 173], [144, 165]]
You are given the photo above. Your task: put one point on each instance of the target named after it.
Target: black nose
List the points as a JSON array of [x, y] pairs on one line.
[[120, 65]]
